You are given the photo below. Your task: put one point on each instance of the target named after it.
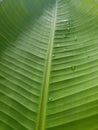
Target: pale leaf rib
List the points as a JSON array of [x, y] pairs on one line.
[[47, 70]]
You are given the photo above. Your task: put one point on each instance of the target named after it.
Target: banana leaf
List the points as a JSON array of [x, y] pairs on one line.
[[48, 64]]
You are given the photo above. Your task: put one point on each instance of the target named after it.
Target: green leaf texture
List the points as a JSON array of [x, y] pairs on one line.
[[49, 65]]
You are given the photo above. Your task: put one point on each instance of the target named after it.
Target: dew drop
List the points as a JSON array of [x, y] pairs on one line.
[[58, 45], [75, 38], [65, 49], [88, 56], [68, 28], [65, 20], [50, 99], [73, 68]]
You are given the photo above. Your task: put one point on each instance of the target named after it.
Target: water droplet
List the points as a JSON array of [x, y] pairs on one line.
[[65, 20], [75, 38], [68, 28], [51, 99], [73, 68], [88, 56], [58, 45]]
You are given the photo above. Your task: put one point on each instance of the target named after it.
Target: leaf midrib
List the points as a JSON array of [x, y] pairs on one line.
[[45, 86]]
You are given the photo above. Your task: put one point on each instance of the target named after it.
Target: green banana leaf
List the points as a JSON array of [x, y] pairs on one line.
[[48, 64]]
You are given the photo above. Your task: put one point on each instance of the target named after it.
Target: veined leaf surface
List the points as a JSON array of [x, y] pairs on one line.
[[49, 65]]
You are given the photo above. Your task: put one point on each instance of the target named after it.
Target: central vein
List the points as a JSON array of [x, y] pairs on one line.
[[44, 93]]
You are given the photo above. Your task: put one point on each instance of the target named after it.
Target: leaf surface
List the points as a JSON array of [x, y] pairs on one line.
[[49, 65]]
